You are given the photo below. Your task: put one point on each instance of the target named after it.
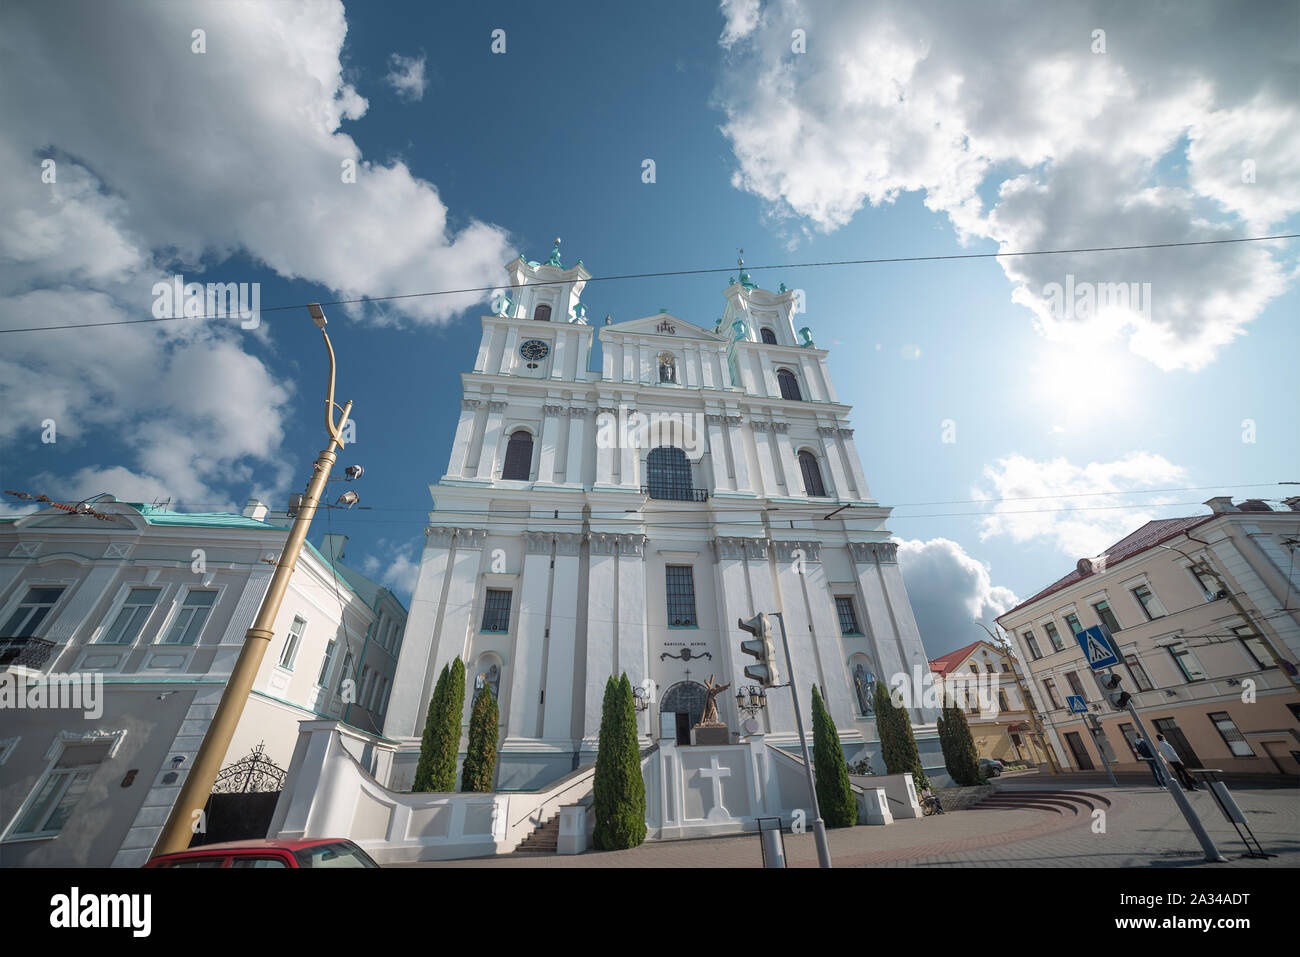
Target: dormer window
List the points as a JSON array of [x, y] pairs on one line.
[[789, 385], [768, 336], [542, 313]]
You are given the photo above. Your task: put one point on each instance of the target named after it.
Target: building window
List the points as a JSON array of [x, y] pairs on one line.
[[1006, 668], [768, 336], [366, 677], [848, 616], [1130, 735], [1254, 646], [31, 611], [1003, 705], [1032, 643], [1072, 622], [1106, 616], [291, 642], [1053, 636], [1187, 663], [789, 385], [1075, 684], [668, 474], [57, 794], [1232, 737], [1138, 673], [496, 610], [1209, 586], [1150, 606], [130, 619], [1050, 687], [193, 614], [681, 596], [330, 647], [345, 676], [812, 475], [519, 456], [542, 313]]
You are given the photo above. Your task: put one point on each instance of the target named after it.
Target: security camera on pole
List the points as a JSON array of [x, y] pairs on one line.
[[1102, 654], [766, 673]]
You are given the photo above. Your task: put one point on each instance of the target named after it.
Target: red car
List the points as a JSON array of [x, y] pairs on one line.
[[307, 852]]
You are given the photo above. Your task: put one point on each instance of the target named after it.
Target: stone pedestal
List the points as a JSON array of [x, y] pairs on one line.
[[712, 734]]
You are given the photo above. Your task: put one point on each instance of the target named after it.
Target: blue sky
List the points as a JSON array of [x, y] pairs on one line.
[[900, 130]]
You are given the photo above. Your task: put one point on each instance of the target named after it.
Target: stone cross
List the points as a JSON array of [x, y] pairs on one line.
[[716, 772]]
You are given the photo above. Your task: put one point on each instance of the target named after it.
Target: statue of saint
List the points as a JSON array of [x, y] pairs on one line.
[[710, 716]]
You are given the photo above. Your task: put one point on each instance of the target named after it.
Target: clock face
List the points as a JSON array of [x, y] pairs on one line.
[[534, 350]]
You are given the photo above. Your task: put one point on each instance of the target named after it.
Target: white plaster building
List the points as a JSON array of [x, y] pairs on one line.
[[559, 552], [156, 603]]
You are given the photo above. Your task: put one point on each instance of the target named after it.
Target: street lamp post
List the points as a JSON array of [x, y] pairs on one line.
[[187, 811], [1029, 708]]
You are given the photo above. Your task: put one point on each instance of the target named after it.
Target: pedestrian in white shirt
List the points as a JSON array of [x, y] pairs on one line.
[[1169, 754]]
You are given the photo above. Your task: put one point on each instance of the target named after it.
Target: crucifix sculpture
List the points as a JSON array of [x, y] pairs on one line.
[[710, 716]]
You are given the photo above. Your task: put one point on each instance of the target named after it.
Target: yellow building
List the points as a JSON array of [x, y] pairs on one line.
[[980, 678]]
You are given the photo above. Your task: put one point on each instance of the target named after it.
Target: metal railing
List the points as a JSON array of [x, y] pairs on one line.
[[676, 494], [25, 652]]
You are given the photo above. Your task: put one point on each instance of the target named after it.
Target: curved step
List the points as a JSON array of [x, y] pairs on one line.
[[1023, 805], [1092, 795]]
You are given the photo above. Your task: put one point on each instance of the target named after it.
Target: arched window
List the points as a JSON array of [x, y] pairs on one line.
[[542, 313], [668, 474], [519, 456], [812, 475], [789, 385], [768, 336]]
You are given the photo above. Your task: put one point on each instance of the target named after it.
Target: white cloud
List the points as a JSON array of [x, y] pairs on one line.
[[399, 573], [238, 150], [1143, 143], [1093, 516], [949, 590], [406, 76], [741, 19]]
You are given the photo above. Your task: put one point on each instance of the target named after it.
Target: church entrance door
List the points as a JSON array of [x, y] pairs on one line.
[[682, 709], [683, 728]]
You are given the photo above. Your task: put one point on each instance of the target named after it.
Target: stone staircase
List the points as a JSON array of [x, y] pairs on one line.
[[542, 840], [1054, 801]]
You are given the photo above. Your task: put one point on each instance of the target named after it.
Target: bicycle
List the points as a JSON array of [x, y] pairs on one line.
[[930, 805]]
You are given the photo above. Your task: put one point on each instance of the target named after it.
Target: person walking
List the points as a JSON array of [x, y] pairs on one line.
[[1169, 754], [1144, 752]]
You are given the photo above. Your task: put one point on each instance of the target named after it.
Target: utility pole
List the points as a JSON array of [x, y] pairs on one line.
[[188, 809], [1029, 705]]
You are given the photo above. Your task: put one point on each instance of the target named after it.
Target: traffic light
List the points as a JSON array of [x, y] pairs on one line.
[[1117, 696], [761, 647]]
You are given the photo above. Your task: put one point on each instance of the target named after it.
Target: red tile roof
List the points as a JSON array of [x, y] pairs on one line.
[[946, 663], [1148, 536]]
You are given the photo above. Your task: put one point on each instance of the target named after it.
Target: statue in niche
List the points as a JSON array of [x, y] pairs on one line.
[[864, 683], [710, 716], [667, 368]]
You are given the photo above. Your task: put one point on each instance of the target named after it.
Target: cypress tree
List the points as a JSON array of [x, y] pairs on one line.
[[481, 754], [618, 801], [839, 807], [897, 744], [424, 767], [965, 764]]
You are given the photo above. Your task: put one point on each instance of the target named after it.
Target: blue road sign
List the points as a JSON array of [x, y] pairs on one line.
[[1099, 648], [1077, 704]]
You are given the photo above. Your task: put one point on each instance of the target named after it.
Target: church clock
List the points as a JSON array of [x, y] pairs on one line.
[[534, 350]]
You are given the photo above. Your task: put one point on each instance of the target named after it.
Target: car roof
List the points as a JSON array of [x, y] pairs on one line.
[[259, 844]]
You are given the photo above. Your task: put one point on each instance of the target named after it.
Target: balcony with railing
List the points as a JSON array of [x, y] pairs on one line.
[[675, 494], [25, 652]]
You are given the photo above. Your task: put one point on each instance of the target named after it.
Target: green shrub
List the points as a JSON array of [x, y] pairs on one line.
[[618, 802], [835, 798], [897, 743], [481, 754]]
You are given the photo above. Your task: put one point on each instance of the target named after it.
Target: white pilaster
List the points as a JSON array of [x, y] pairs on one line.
[[549, 440], [487, 457], [460, 445], [573, 464], [739, 460]]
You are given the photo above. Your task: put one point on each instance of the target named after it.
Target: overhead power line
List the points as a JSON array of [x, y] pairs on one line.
[[695, 272]]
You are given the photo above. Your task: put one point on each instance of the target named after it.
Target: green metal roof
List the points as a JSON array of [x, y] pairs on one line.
[[159, 516]]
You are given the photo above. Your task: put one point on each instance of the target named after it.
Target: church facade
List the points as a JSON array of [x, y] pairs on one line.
[[594, 523]]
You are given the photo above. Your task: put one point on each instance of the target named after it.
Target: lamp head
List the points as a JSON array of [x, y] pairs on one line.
[[317, 314], [353, 472]]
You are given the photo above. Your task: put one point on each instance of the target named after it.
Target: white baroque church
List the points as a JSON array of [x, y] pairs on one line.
[[595, 523]]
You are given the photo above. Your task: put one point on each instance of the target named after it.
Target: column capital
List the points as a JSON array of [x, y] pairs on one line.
[[496, 406], [759, 425], [553, 410], [864, 553], [736, 547], [785, 551], [469, 403], [442, 536]]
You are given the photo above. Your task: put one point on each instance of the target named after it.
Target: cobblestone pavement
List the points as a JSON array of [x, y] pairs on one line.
[[1143, 828]]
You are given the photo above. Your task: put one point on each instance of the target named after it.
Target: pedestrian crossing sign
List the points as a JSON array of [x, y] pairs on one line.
[[1077, 704], [1099, 647]]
